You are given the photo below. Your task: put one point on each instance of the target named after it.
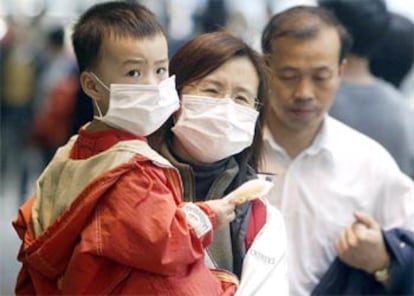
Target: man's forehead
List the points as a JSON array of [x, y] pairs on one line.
[[326, 40]]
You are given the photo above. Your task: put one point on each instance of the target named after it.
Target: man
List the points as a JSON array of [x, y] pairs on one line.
[[370, 105], [335, 187]]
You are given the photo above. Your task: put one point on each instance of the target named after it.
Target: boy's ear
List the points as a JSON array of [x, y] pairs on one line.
[[89, 86]]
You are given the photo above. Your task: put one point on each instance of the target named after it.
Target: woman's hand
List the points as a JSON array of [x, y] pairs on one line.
[[224, 211]]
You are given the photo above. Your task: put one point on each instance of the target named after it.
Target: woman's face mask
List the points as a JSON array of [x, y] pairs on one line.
[[212, 129]]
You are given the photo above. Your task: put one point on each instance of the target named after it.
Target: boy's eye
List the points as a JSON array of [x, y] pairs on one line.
[[134, 73], [161, 71]]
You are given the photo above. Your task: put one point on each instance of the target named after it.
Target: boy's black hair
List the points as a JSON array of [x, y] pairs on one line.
[[119, 19]]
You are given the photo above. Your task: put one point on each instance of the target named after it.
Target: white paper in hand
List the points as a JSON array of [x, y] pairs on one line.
[[249, 190]]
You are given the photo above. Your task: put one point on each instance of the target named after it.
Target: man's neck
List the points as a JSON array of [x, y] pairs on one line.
[[357, 70], [293, 142]]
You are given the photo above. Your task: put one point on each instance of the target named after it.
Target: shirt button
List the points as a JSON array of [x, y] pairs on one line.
[[402, 244]]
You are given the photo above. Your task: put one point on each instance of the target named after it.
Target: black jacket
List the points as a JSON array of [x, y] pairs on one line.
[[340, 279]]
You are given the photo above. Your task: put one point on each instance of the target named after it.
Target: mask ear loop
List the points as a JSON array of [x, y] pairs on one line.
[[96, 104], [99, 111], [175, 116], [100, 81]]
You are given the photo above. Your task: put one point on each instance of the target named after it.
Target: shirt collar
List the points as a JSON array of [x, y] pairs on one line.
[[322, 144], [268, 138], [323, 140]]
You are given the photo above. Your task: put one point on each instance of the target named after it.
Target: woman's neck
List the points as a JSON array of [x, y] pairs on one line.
[[179, 150]]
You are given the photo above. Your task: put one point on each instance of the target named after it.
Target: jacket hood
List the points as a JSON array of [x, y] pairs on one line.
[[49, 252], [50, 227]]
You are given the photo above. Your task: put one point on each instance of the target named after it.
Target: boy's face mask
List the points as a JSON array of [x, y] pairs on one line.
[[137, 108]]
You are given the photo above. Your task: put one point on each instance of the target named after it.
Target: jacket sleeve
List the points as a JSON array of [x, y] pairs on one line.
[[343, 279], [24, 285], [140, 223], [400, 245]]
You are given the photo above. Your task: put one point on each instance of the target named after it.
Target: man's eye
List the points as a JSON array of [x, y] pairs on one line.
[[287, 77], [134, 73], [322, 77]]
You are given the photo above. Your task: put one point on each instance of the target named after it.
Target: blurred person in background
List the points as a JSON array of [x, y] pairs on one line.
[[364, 102], [393, 58], [215, 16], [18, 82], [214, 140], [393, 61], [55, 96]]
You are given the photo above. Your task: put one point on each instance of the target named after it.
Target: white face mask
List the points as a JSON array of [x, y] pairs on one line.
[[140, 109], [213, 129]]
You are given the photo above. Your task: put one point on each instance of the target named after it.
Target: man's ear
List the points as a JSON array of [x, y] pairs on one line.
[[89, 86], [341, 69]]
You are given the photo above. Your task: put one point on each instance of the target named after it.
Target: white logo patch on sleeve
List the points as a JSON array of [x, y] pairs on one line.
[[197, 219]]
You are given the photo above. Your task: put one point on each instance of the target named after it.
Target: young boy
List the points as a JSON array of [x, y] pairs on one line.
[[107, 216]]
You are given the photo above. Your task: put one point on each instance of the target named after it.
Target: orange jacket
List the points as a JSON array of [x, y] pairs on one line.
[[123, 234]]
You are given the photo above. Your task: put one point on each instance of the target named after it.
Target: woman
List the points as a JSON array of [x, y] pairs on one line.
[[214, 140]]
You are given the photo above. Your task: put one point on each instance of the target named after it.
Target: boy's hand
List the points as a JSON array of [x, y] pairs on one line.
[[224, 211]]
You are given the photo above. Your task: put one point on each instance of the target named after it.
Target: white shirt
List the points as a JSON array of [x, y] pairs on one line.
[[318, 191]]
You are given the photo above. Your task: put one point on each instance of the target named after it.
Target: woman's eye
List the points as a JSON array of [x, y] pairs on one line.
[[134, 73], [242, 99], [210, 91]]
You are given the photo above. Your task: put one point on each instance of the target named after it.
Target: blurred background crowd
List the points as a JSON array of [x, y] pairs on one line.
[[42, 105]]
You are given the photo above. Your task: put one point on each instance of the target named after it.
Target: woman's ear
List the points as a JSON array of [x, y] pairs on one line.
[[89, 86], [177, 113]]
